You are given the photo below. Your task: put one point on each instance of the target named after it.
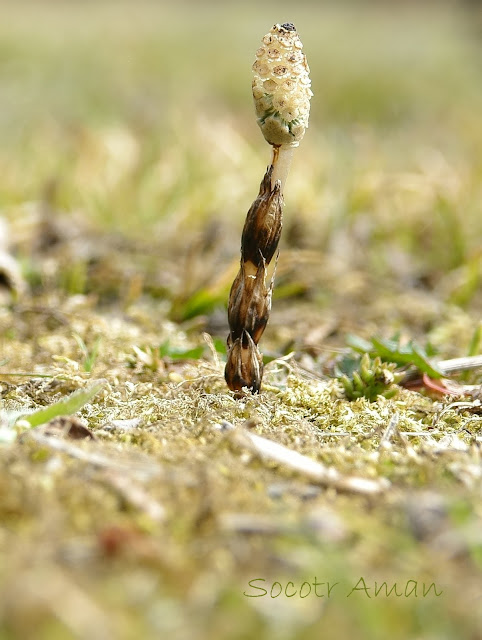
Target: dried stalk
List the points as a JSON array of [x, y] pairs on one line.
[[457, 365], [281, 91], [307, 467], [140, 468]]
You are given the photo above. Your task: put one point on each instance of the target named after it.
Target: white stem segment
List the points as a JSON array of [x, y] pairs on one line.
[[281, 162]]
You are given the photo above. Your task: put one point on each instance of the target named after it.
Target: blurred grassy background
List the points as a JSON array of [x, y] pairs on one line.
[[129, 156], [138, 118], [142, 113]]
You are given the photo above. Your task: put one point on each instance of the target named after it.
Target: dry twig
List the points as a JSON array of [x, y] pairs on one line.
[[315, 471]]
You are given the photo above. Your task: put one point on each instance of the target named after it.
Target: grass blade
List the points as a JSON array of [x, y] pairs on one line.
[[67, 406]]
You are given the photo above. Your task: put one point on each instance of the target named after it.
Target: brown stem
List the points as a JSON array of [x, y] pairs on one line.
[[250, 297]]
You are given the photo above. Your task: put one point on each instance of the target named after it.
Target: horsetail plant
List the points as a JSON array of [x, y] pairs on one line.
[[281, 92]]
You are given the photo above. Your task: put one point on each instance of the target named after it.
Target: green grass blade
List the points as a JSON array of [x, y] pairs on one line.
[[67, 406]]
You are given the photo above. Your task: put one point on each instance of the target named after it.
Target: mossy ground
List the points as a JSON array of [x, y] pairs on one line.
[[129, 157]]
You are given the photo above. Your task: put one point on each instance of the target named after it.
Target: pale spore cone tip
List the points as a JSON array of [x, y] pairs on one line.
[[282, 86]]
